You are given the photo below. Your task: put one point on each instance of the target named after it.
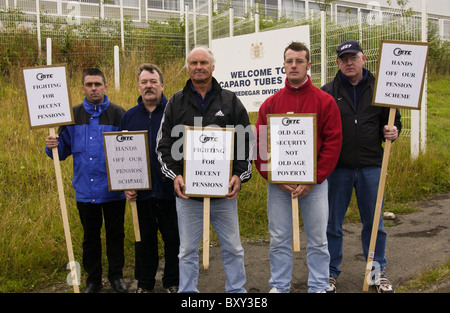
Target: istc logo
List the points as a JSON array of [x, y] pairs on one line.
[[122, 138], [41, 76], [203, 138], [346, 46], [399, 51], [287, 121]]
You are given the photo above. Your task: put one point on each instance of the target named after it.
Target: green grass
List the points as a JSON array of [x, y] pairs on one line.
[[429, 173], [425, 280], [439, 112], [32, 245]]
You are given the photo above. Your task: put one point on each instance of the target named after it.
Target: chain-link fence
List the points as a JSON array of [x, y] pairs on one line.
[[366, 29], [84, 42], [85, 31], [88, 37]]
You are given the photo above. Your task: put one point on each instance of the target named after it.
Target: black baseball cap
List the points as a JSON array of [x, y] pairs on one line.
[[349, 46]]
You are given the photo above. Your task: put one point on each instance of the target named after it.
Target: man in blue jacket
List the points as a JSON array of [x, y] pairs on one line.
[[84, 141], [156, 207]]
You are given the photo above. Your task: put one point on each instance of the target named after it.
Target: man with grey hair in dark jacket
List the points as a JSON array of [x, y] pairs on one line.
[[202, 101]]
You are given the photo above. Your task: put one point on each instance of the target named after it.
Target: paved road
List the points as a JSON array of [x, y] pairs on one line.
[[418, 242]]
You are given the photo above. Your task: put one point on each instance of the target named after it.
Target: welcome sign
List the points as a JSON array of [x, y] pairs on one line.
[[252, 65]]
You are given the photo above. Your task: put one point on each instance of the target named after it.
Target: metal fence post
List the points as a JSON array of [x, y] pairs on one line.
[[209, 23], [323, 48], [116, 68], [231, 22], [122, 39], [186, 30], [423, 110], [38, 26], [49, 51]]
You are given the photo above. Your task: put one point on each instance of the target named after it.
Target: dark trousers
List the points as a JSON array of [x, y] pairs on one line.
[[157, 214], [92, 219]]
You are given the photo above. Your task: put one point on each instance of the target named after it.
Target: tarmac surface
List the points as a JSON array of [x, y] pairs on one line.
[[418, 242]]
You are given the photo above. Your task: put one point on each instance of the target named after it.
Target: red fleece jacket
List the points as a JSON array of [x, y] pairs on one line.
[[304, 99]]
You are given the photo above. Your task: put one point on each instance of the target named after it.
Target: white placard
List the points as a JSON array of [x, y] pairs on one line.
[[47, 96], [252, 65], [292, 148], [400, 74], [127, 160], [208, 154]]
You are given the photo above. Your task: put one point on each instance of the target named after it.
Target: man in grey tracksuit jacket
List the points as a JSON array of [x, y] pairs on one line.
[[203, 102]]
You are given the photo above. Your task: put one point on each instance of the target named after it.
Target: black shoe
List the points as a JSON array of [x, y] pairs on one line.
[[119, 286], [142, 290], [92, 288], [172, 289]]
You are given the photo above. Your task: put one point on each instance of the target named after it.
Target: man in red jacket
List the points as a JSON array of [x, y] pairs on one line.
[[300, 96]]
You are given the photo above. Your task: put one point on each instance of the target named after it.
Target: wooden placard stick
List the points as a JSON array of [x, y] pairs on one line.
[[409, 59], [295, 224], [379, 204], [206, 220], [295, 221], [134, 214], [75, 278], [199, 144], [119, 162]]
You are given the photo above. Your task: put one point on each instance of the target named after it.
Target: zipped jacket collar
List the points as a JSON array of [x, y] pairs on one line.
[[215, 87], [346, 81], [96, 109], [303, 86], [158, 106]]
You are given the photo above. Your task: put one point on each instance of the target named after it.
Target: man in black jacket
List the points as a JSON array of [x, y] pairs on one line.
[[364, 127], [203, 102]]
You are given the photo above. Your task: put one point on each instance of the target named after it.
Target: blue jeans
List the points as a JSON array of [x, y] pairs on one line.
[[314, 210], [365, 181], [224, 219]]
